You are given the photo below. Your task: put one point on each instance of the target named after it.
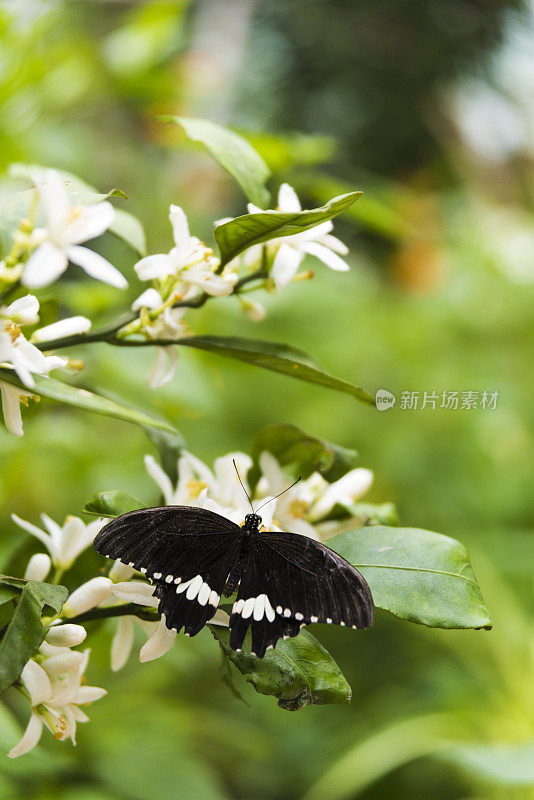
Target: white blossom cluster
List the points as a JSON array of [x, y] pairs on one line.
[[41, 255], [53, 679]]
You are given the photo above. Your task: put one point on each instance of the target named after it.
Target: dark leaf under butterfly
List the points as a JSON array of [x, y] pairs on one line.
[[283, 580]]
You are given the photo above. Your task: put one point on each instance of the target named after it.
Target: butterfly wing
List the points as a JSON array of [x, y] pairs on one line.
[[187, 552], [291, 580]]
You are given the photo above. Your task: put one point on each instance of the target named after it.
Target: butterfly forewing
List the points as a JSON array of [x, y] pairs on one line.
[[291, 580], [187, 552]]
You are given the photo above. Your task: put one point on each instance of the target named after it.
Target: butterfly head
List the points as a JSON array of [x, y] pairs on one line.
[[252, 522]]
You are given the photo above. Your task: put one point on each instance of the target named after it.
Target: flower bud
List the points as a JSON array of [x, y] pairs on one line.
[[66, 635], [38, 567], [254, 310], [87, 596]]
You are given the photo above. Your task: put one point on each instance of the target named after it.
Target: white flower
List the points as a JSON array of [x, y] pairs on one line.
[[56, 694], [24, 311], [89, 595], [63, 543], [24, 357], [67, 227], [190, 261], [38, 567], [291, 249], [64, 327]]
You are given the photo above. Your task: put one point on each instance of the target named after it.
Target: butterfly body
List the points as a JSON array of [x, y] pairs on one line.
[[283, 580]]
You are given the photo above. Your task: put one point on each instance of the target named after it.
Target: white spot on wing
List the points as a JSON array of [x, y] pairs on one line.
[[214, 599], [298, 615], [259, 607], [157, 575], [194, 587], [248, 607], [269, 610], [204, 593], [168, 579]]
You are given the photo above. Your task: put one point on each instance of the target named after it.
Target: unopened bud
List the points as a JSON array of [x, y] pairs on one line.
[[38, 566], [88, 596], [68, 635]]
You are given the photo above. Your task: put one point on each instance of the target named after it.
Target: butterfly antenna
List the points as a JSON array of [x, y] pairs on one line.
[[243, 485], [279, 495]]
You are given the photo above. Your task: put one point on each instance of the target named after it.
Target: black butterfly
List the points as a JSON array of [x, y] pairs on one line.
[[284, 580]]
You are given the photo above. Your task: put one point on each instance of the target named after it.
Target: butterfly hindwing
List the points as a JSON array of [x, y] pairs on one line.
[[290, 581], [187, 552]]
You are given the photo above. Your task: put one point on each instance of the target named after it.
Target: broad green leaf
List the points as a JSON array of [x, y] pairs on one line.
[[112, 504], [126, 226], [169, 447], [504, 764], [242, 232], [83, 399], [232, 152], [417, 575], [291, 446], [299, 671], [25, 631], [277, 358]]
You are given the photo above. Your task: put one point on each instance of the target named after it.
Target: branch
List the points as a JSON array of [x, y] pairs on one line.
[[130, 609]]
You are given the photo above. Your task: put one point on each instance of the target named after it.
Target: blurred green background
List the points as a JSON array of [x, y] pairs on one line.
[[427, 106]]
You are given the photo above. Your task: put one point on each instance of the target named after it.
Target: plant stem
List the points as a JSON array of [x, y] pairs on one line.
[[130, 609], [108, 332]]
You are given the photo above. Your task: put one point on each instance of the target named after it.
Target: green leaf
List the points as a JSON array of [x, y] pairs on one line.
[[232, 152], [276, 357], [299, 671], [25, 631], [242, 232], [125, 225], [417, 575], [291, 446], [112, 504], [83, 398], [169, 447]]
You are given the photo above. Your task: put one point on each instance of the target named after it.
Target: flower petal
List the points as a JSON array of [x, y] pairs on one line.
[[149, 299], [152, 267], [89, 222], [160, 374], [89, 694], [159, 643], [136, 592], [287, 199], [44, 266], [35, 531], [37, 682], [122, 642], [325, 255], [285, 265], [180, 231], [160, 477], [30, 738], [96, 266], [11, 408], [25, 310]]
